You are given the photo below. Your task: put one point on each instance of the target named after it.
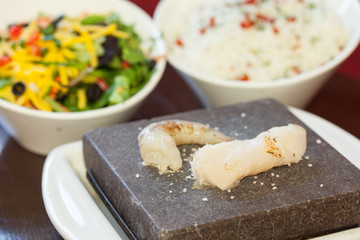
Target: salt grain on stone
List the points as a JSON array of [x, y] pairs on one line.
[[243, 115], [204, 199], [318, 141], [137, 175]]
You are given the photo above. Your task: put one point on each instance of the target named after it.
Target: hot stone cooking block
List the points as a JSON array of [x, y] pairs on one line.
[[317, 196]]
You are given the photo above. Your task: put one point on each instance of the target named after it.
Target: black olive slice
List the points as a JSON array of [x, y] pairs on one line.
[[18, 88], [94, 92]]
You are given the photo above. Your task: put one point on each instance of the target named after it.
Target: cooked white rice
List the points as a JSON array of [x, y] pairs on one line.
[[261, 41]]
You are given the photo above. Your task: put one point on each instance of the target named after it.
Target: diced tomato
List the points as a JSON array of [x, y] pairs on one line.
[[102, 84], [15, 32], [4, 60], [57, 79], [296, 70], [275, 30], [53, 92], [247, 23], [27, 104], [125, 64], [244, 77], [179, 42], [202, 31], [34, 37], [251, 2], [212, 22], [264, 18], [35, 50], [291, 19]]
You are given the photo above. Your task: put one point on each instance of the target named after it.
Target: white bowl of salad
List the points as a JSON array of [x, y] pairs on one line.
[[70, 66], [240, 50]]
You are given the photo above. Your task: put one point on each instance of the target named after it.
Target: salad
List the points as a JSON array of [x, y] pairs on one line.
[[69, 64]]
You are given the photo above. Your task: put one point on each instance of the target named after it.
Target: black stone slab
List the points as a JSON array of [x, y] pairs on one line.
[[319, 195]]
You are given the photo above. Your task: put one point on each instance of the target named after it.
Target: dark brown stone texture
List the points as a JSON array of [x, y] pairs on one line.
[[316, 196]]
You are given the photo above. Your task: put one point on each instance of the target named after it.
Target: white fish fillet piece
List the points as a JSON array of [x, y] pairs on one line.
[[224, 164], [158, 141]]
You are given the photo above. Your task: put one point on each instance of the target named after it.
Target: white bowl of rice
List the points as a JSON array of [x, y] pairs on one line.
[[40, 129], [239, 50]]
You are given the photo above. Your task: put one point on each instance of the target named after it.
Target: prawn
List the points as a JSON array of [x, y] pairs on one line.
[[225, 164], [158, 141]]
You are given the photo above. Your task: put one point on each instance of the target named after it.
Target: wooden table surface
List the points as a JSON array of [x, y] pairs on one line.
[[22, 211]]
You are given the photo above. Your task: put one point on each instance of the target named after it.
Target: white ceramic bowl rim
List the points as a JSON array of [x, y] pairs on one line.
[[129, 103], [306, 76]]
